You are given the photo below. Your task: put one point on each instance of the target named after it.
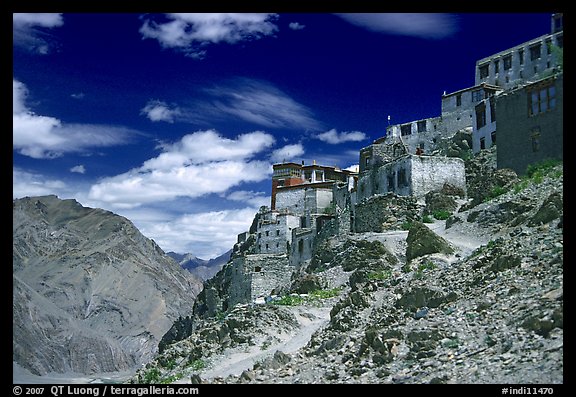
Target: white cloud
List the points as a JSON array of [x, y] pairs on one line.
[[353, 168], [261, 103], [256, 199], [31, 184], [28, 33], [79, 169], [423, 25], [192, 32], [160, 111], [198, 164], [287, 153], [47, 137], [296, 26], [334, 137], [208, 234], [78, 95]]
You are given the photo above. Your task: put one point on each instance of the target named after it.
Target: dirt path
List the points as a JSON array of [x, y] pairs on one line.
[[310, 319]]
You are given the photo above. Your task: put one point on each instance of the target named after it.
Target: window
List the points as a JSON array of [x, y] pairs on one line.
[[483, 69], [507, 61], [422, 126], [402, 181], [259, 235], [277, 245], [480, 116], [301, 246], [548, 46], [493, 137], [521, 56], [477, 95], [459, 100], [492, 110], [535, 138], [277, 232], [406, 129], [367, 161], [257, 269], [280, 182], [390, 182], [541, 99], [496, 66], [535, 52], [482, 143], [266, 246], [267, 233]]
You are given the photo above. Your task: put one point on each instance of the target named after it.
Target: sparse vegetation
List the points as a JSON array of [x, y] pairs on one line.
[[495, 192], [406, 225], [197, 365], [441, 215], [535, 174], [427, 219], [153, 375], [419, 273], [380, 275], [314, 296]]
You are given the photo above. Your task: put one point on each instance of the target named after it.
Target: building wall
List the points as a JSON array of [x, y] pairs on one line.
[[486, 131], [302, 245], [273, 235], [268, 272], [516, 129], [413, 175], [423, 133], [291, 200], [432, 172], [520, 72]]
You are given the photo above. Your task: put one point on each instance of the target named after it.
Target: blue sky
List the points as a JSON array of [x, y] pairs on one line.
[[175, 120]]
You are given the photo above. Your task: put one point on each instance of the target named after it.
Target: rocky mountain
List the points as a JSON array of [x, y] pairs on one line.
[[202, 268], [90, 293], [470, 291]]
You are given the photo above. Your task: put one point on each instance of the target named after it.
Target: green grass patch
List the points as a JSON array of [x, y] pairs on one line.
[[197, 365], [495, 192], [427, 219], [441, 215], [380, 275], [451, 344], [406, 225], [314, 296]]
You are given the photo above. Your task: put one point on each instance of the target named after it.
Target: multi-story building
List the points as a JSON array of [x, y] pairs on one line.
[[530, 124], [511, 69]]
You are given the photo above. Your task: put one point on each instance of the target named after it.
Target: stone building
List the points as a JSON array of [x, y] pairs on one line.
[[530, 123], [511, 69], [387, 166], [524, 62], [458, 110]]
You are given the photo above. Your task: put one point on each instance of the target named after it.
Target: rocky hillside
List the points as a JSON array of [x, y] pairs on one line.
[[470, 292], [90, 293]]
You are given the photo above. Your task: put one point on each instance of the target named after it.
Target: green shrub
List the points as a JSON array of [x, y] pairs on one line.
[[495, 192], [197, 365], [406, 225], [380, 275], [153, 375], [289, 300], [427, 219], [441, 215], [325, 293]]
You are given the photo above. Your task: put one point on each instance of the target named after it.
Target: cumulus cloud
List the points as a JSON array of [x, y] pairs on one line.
[[29, 30], [287, 153], [353, 168], [44, 137], [334, 137], [423, 25], [160, 111], [256, 199], [296, 26], [79, 169], [191, 33], [208, 234], [200, 163], [30, 184]]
